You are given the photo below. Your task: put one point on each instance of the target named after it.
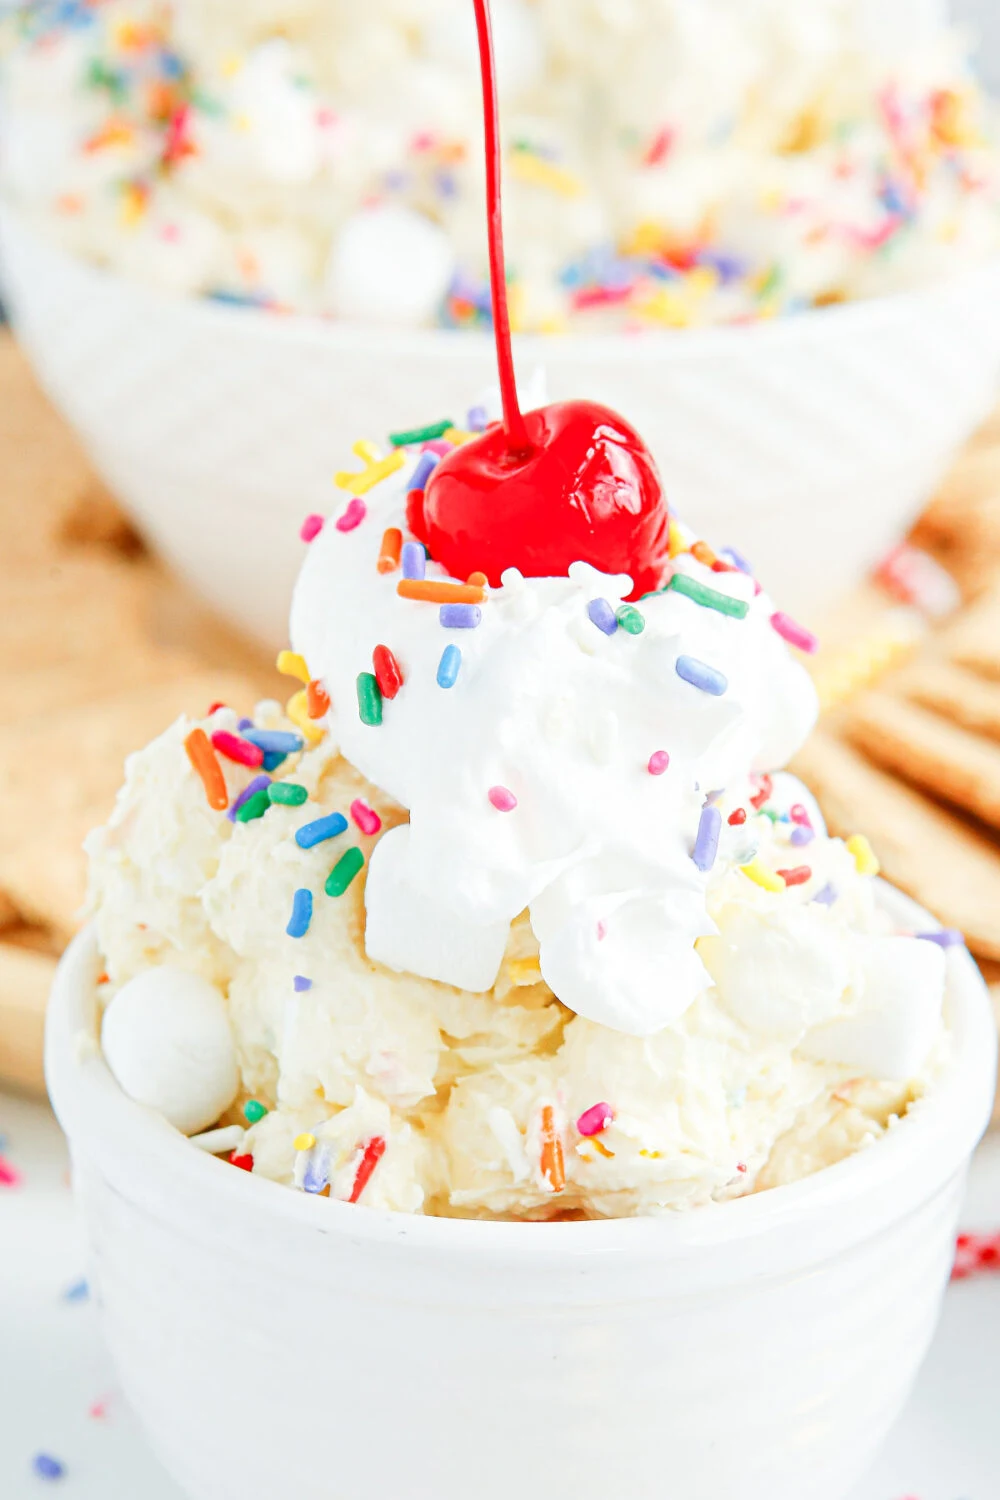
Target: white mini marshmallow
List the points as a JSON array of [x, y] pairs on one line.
[[166, 1038], [389, 265]]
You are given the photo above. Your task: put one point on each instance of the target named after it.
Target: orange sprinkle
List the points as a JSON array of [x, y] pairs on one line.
[[433, 592], [600, 1146], [317, 699], [388, 553], [552, 1162], [206, 763], [703, 552], [477, 580]]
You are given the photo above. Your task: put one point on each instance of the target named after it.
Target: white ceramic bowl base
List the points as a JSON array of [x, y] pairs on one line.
[[809, 443], [277, 1344]]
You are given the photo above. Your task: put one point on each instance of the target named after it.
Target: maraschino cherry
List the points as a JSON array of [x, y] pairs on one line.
[[569, 482]]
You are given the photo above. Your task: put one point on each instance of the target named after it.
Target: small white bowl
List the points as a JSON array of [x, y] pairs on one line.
[[278, 1344], [810, 442]]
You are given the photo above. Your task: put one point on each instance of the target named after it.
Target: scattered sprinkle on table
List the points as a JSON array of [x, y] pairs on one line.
[[47, 1467]]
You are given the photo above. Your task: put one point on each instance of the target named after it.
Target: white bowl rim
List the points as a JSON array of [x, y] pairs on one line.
[[933, 1141], [654, 346]]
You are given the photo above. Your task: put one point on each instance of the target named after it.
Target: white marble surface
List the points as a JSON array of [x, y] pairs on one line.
[[54, 1371]]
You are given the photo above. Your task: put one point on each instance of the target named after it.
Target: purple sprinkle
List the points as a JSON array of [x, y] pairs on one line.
[[737, 559], [706, 844], [47, 1467], [426, 463], [945, 937], [460, 616], [476, 419], [256, 785], [244, 724], [603, 616], [301, 984], [317, 1173], [827, 896], [700, 675], [801, 835], [78, 1292], [414, 560]]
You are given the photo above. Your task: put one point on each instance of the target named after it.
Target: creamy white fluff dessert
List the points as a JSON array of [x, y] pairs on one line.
[[754, 157], [512, 910]]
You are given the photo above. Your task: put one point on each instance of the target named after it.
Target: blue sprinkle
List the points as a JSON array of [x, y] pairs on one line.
[[451, 660], [413, 560], [476, 419], [244, 724], [256, 785], [280, 741], [273, 759], [300, 984], [47, 1467], [706, 844], [801, 835], [426, 463], [302, 911], [460, 616], [700, 675], [827, 896], [78, 1292], [320, 829], [603, 616], [945, 937], [737, 559], [317, 1173]]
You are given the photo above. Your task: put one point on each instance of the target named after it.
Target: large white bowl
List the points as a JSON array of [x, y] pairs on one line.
[[278, 1344], [809, 443]]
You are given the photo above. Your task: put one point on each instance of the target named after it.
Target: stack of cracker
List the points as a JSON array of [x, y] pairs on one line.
[[914, 760], [99, 651]]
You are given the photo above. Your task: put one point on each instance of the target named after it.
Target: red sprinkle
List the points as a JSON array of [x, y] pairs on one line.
[[9, 1175], [317, 699], [245, 1163], [737, 817], [371, 1156], [214, 709], [798, 876], [366, 817], [311, 528], [387, 671], [719, 566], [233, 748], [765, 786], [595, 1119], [975, 1255]]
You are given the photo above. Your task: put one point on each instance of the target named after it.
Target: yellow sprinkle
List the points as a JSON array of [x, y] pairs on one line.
[[668, 307], [600, 1146], [701, 281], [762, 876], [677, 542], [653, 1155], [304, 1142], [291, 664], [243, 123], [133, 205], [377, 469], [864, 855], [647, 238], [231, 65], [366, 450], [538, 172], [457, 436], [297, 709], [525, 970]]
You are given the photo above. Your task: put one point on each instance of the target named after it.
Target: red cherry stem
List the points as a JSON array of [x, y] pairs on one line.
[[518, 442]]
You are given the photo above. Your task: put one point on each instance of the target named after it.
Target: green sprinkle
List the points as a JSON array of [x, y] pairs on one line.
[[769, 812], [253, 1111], [711, 598], [369, 698], [344, 871], [255, 806], [290, 793], [421, 434], [630, 619]]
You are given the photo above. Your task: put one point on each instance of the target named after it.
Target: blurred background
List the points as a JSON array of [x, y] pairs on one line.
[[237, 238]]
